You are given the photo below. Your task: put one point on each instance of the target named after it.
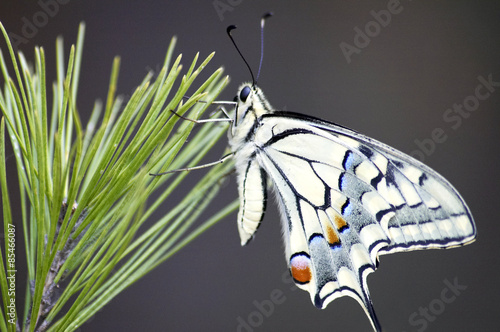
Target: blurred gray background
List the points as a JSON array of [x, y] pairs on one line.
[[396, 88]]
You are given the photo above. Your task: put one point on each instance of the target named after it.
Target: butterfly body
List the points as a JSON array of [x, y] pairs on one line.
[[344, 198]]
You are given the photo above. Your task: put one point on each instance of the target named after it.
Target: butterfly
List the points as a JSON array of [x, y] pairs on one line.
[[344, 198]]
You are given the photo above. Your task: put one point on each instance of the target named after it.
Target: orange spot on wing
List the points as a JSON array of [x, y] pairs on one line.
[[340, 223], [332, 236], [301, 269]]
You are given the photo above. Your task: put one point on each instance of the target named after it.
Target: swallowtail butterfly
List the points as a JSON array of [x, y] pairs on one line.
[[344, 198]]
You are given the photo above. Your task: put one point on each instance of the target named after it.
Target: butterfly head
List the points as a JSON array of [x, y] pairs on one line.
[[251, 104]]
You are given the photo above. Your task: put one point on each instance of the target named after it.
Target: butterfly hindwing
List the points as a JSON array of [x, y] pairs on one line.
[[329, 212]]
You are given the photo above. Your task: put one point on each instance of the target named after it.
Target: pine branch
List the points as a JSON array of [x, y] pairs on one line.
[[84, 191]]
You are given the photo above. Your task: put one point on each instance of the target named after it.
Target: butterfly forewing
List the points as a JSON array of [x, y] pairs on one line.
[[344, 199]]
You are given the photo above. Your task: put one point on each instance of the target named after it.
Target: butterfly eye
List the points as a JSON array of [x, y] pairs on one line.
[[245, 92]]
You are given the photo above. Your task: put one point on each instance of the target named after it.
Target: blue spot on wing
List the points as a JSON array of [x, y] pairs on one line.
[[342, 181], [348, 160], [347, 208]]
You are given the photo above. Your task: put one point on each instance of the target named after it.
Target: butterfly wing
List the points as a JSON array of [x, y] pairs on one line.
[[345, 198]]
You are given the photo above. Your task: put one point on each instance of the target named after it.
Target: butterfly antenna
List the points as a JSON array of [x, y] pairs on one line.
[[229, 29], [262, 21]]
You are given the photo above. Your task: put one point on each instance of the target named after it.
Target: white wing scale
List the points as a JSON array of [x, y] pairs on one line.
[[344, 199]]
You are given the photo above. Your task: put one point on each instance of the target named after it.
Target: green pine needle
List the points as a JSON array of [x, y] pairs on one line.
[[84, 190]]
